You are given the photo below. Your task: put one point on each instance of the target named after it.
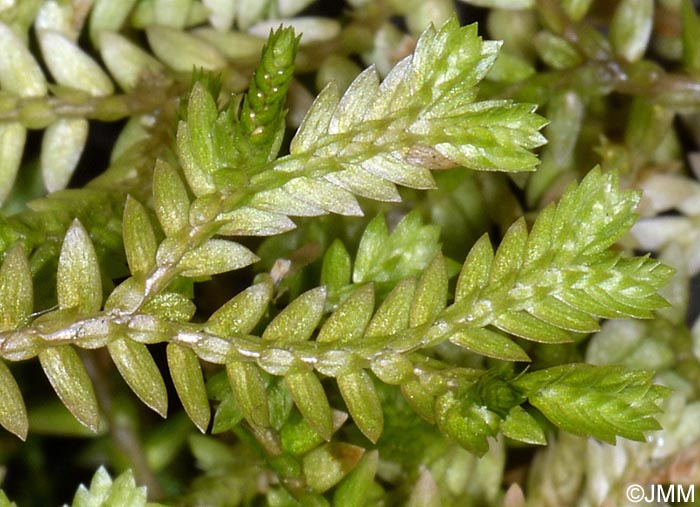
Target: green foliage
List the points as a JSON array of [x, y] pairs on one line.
[[316, 371], [105, 491]]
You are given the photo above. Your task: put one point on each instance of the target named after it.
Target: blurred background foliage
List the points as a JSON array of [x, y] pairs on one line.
[[619, 82]]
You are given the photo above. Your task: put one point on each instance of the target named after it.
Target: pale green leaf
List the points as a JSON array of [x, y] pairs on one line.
[[531, 328], [431, 293], [511, 252], [19, 71], [170, 198], [198, 177], [12, 138], [71, 66], [324, 195], [498, 4], [254, 222], [421, 401], [631, 27], [425, 493], [488, 343], [326, 465], [181, 51], [139, 370], [171, 12], [337, 268], [103, 492], [242, 313], [298, 320], [248, 388], [221, 14], [310, 397], [13, 412], [70, 380], [78, 281], [61, 148], [172, 306], [365, 184], [394, 313], [16, 290], [556, 51], [186, 373], [107, 15], [361, 398], [216, 256], [126, 61], [139, 239], [348, 322], [558, 313], [476, 270]]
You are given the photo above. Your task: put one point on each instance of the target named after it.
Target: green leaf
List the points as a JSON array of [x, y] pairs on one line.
[[172, 306], [241, 314], [61, 147], [248, 387], [420, 399], [70, 380], [431, 293], [394, 313], [361, 398], [12, 139], [71, 66], [310, 397], [16, 291], [20, 73], [326, 465], [408, 250], [423, 116], [531, 328], [186, 373], [104, 491], [510, 254], [355, 489], [556, 51], [170, 198], [488, 343], [298, 320], [601, 401], [297, 436], [350, 320], [216, 256], [139, 370], [521, 426], [476, 270], [13, 412], [253, 222], [337, 268], [78, 281], [139, 239], [4, 501], [466, 423], [631, 27]]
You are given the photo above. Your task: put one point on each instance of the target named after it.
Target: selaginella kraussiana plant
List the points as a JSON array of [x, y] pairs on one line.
[[306, 384]]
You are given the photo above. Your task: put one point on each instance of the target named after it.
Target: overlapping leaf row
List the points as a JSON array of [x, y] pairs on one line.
[[535, 285]]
